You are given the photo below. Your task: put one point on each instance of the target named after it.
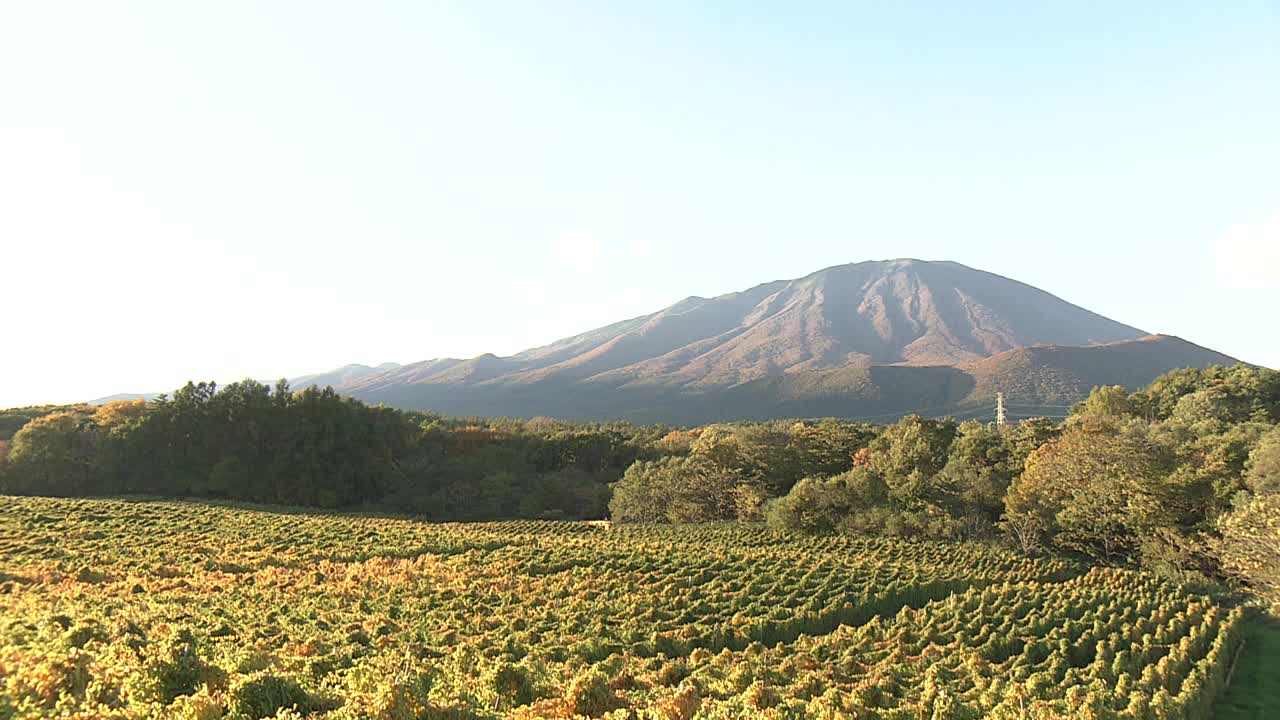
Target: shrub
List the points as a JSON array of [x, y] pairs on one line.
[[1249, 547], [175, 669], [511, 684], [590, 694], [262, 696], [683, 705], [200, 706]]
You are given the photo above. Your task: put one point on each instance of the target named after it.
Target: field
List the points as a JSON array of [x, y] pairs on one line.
[[120, 609], [1254, 693]]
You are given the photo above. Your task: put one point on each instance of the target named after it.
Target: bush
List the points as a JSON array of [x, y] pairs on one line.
[[174, 670], [590, 695], [388, 688], [200, 706], [819, 506], [511, 684], [262, 696]]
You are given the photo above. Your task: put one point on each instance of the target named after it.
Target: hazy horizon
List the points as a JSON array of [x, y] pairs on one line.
[[268, 191]]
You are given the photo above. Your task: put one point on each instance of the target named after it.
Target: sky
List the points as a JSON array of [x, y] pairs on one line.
[[248, 189]]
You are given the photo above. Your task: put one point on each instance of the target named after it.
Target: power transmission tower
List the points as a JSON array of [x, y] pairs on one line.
[[1000, 411]]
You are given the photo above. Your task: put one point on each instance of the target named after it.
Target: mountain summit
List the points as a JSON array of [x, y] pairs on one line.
[[865, 338], [873, 313]]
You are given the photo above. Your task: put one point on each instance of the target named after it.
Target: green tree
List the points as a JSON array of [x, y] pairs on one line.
[[909, 455], [1107, 401], [680, 490], [977, 474], [1248, 393], [824, 505], [1263, 473]]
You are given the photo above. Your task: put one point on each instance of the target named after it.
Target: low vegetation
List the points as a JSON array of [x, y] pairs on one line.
[[126, 609]]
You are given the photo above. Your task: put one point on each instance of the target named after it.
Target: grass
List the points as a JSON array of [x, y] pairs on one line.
[[1254, 693]]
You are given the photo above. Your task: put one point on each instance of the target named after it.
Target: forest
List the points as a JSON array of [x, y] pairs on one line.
[[1181, 477]]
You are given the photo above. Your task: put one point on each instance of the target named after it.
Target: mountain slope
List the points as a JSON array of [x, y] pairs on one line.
[[872, 313], [869, 338], [341, 376]]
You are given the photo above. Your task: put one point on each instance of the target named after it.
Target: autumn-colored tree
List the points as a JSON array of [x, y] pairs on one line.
[[1091, 490], [467, 439], [119, 412], [54, 454], [678, 442], [1249, 545]]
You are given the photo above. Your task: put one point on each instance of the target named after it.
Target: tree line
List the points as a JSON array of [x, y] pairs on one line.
[[1181, 477], [251, 442]]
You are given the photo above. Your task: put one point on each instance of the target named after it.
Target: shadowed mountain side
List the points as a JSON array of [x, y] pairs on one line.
[[1042, 376], [1062, 375], [846, 392]]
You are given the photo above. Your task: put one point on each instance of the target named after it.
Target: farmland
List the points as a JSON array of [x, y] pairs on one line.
[[124, 609]]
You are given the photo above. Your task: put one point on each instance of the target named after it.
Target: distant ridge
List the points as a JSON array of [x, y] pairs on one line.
[[341, 376], [338, 377], [124, 396]]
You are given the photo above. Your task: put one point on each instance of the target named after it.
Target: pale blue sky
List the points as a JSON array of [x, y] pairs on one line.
[[222, 190]]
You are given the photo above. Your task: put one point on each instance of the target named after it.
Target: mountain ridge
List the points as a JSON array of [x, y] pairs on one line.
[[869, 338], [734, 337]]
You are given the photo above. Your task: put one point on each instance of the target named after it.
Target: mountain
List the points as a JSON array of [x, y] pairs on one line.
[[871, 340], [342, 376], [866, 339]]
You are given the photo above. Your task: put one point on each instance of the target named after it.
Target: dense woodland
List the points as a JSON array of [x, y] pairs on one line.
[[1181, 477]]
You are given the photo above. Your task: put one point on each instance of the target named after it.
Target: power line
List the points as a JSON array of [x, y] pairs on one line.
[[1001, 411], [1038, 405], [921, 412]]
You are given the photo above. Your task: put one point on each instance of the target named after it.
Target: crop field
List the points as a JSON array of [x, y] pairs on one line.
[[120, 609]]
